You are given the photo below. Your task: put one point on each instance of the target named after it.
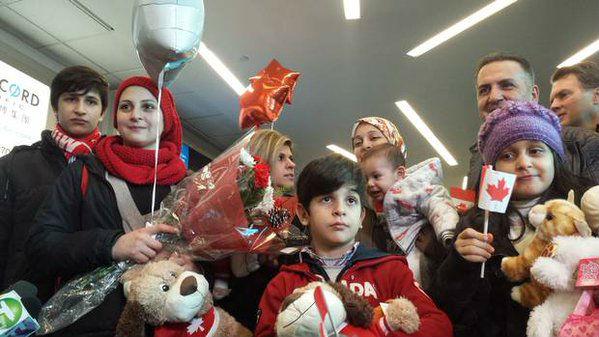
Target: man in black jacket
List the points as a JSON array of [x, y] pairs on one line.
[[78, 96], [504, 77]]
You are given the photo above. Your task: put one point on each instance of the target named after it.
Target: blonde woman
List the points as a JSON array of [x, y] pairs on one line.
[[276, 150], [252, 272]]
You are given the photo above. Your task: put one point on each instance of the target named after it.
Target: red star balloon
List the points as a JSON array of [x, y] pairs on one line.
[[270, 90]]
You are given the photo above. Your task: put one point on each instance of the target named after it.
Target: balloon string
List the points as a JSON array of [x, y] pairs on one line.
[[160, 84]]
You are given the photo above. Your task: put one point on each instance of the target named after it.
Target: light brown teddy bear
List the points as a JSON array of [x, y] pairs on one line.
[[556, 217], [175, 301], [349, 314]]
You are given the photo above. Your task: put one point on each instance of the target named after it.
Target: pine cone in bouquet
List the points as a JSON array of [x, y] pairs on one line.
[[229, 206]]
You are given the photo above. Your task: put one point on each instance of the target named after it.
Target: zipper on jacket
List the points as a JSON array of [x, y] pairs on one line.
[[349, 264], [5, 196], [320, 271]]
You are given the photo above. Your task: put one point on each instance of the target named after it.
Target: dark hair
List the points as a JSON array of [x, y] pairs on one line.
[[586, 72], [504, 56], [390, 152], [77, 78], [326, 175], [563, 181]]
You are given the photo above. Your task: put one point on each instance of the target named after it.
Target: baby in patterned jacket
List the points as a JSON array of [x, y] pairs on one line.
[[410, 200]]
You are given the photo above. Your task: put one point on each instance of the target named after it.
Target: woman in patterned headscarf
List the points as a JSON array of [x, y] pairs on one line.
[[368, 132]]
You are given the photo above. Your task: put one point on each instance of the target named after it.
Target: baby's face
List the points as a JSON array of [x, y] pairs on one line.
[[380, 176]]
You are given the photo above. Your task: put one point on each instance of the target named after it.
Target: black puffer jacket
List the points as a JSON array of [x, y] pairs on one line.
[[582, 155], [479, 307], [74, 234], [26, 175]]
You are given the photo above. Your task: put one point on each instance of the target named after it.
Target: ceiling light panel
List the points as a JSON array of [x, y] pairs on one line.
[[460, 26], [342, 152], [351, 9], [426, 132], [581, 55]]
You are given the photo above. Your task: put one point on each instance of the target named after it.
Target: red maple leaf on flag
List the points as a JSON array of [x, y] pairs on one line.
[[498, 192]]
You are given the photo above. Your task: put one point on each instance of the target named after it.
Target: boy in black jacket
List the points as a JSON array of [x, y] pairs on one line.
[[78, 96]]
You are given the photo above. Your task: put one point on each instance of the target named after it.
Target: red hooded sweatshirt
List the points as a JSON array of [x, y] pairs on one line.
[[372, 274]]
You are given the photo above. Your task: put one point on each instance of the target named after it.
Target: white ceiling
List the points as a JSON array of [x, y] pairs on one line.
[[349, 68]]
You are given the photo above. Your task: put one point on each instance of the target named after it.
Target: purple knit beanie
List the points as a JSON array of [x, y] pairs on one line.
[[516, 121]]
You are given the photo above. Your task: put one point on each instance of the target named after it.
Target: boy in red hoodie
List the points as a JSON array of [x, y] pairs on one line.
[[330, 192]]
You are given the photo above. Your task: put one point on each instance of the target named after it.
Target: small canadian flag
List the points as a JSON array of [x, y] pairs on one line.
[[495, 190], [321, 304]]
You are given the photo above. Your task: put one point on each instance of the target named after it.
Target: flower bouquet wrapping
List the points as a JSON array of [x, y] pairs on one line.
[[229, 206]]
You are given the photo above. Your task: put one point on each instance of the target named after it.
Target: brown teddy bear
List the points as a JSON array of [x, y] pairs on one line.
[[175, 301], [349, 314], [553, 218]]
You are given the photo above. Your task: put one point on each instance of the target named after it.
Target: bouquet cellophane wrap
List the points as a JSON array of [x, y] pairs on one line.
[[215, 210]]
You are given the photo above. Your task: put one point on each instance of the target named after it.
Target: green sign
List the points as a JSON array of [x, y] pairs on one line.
[[11, 311]]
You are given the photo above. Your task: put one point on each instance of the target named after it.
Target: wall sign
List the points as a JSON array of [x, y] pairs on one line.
[[23, 108]]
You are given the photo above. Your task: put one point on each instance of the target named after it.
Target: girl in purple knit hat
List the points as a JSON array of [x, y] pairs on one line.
[[522, 138]]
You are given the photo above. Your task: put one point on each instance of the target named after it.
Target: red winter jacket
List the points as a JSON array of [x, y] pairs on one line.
[[372, 274]]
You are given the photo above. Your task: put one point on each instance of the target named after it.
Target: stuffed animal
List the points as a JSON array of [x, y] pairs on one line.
[[558, 273], [175, 301], [553, 218], [349, 314]]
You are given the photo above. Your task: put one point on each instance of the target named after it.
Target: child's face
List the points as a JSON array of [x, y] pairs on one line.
[[334, 218], [532, 163], [380, 176]]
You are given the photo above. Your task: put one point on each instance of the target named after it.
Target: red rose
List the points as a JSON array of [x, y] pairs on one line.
[[257, 159], [261, 175]]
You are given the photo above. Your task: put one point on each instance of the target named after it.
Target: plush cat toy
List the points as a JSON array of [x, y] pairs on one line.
[[177, 302], [349, 314], [554, 218]]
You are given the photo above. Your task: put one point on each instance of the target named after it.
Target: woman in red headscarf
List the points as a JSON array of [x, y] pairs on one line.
[[94, 214]]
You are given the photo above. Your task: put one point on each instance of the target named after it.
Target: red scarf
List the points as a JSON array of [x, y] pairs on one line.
[[72, 146], [136, 165]]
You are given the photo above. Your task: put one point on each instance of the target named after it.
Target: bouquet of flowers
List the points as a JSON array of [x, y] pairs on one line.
[[229, 206]]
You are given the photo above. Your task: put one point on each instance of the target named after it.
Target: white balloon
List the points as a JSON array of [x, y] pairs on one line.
[[167, 34]]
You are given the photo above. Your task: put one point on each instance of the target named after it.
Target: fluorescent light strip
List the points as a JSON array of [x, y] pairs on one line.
[[351, 9], [419, 124], [342, 152], [465, 182], [92, 15], [461, 26], [581, 55], [221, 69]]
